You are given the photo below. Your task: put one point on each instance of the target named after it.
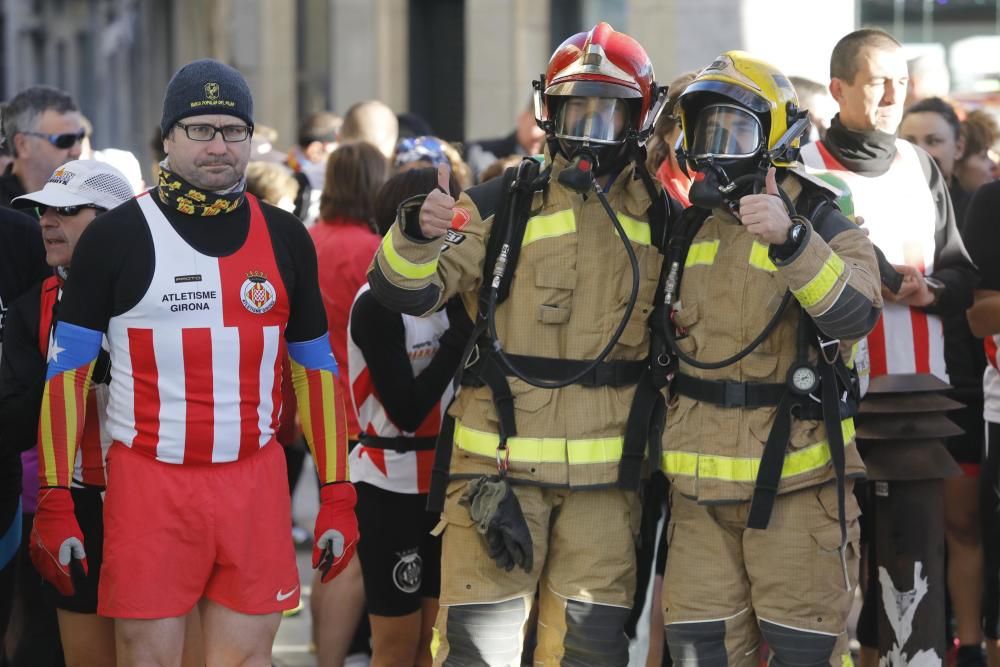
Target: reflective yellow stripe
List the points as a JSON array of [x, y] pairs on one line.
[[744, 469], [680, 463], [563, 222], [541, 450], [403, 266], [636, 230], [816, 289], [759, 258], [702, 252], [549, 226]]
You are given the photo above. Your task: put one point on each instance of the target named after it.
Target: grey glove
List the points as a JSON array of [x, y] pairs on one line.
[[498, 516]]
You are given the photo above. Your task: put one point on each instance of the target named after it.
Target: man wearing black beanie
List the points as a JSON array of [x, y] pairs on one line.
[[199, 288]]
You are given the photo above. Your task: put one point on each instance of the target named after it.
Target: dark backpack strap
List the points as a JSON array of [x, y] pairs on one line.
[[654, 500], [771, 462], [525, 179], [835, 439], [659, 206], [498, 231], [441, 470], [503, 400], [643, 430]]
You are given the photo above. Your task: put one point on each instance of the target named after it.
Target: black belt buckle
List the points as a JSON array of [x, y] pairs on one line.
[[734, 394], [601, 375]]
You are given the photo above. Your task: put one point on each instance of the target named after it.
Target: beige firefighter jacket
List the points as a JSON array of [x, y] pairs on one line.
[[569, 293], [729, 291]]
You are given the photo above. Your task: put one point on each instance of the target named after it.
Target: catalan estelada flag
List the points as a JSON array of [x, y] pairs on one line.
[[72, 355], [321, 407]]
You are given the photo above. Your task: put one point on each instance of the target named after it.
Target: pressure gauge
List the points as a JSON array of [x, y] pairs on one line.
[[803, 379]]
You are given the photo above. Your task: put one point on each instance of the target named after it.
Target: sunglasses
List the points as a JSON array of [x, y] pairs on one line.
[[68, 211], [62, 141]]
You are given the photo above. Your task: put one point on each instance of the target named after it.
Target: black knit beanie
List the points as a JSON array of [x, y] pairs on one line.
[[206, 87]]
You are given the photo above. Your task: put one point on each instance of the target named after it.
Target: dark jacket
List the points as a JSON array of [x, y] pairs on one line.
[[481, 154], [22, 264], [10, 187]]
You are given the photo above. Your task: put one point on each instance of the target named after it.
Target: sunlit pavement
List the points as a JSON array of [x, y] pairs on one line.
[[292, 645]]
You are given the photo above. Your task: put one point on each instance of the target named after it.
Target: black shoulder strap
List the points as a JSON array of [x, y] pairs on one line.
[[660, 212], [523, 177], [497, 232], [814, 202], [679, 240]]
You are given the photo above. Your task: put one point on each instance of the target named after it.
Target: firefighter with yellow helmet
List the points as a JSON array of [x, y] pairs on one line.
[[548, 435], [769, 287]]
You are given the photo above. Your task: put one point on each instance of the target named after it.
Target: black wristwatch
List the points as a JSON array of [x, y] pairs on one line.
[[796, 234], [936, 287]]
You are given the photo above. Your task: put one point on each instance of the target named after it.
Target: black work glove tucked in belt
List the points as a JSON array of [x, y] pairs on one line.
[[498, 516]]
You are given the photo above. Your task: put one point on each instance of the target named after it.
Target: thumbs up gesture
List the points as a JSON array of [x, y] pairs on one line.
[[765, 215], [437, 210]]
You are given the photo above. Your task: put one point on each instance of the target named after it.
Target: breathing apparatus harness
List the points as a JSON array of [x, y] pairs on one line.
[[580, 178], [486, 362], [826, 390]]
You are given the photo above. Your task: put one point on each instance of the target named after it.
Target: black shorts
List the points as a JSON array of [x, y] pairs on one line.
[[967, 449], [400, 559], [989, 482], [89, 508]]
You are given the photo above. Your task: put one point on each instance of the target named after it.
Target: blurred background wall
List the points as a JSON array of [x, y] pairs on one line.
[[464, 65]]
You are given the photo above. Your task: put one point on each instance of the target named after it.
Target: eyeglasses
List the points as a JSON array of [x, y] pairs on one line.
[[68, 211], [62, 141], [230, 133]]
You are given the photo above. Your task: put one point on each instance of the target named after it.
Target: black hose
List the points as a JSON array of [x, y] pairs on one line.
[[713, 365], [630, 306], [758, 180]]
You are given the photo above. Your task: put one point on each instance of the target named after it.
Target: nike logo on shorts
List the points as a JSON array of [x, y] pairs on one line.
[[281, 597]]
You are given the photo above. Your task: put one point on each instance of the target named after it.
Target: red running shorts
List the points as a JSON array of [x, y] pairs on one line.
[[176, 533]]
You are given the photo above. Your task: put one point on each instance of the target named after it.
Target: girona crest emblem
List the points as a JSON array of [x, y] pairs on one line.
[[257, 293]]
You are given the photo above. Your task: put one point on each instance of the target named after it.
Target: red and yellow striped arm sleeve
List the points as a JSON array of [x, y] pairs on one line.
[[321, 407], [72, 356]]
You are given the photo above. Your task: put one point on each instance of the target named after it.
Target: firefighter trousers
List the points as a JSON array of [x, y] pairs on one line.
[[583, 572], [726, 585]]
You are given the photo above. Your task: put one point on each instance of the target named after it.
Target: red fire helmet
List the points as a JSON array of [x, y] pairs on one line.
[[601, 63]]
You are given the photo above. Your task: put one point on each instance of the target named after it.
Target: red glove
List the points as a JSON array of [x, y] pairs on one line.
[[56, 539], [336, 532]]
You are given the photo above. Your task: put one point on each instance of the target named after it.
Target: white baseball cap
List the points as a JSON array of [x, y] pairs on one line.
[[79, 183]]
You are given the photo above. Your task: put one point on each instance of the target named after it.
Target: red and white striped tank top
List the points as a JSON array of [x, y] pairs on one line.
[[991, 380], [197, 362], [900, 216], [400, 472]]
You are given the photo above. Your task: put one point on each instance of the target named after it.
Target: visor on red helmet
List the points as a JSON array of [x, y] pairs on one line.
[[597, 120]]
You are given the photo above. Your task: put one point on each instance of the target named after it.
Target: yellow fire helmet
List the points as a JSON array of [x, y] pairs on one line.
[[735, 83]]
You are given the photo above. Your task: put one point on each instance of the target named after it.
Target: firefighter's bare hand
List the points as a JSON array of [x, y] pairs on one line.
[[914, 290], [765, 215], [438, 207]]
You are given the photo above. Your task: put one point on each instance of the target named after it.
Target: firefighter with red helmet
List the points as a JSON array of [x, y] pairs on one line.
[[543, 449]]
